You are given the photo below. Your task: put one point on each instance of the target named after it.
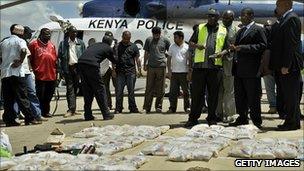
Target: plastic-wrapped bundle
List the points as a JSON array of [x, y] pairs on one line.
[[27, 166], [243, 148], [283, 151], [228, 133], [5, 146], [70, 166], [135, 141], [249, 127], [148, 132], [151, 150], [200, 127], [217, 128], [201, 155], [244, 134], [119, 167], [135, 161], [179, 155], [262, 152], [267, 142], [164, 138], [6, 163], [164, 129], [86, 158]]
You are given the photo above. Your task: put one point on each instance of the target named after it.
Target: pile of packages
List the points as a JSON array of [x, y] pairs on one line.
[[57, 161], [186, 148], [233, 133], [201, 143], [112, 139], [268, 148]]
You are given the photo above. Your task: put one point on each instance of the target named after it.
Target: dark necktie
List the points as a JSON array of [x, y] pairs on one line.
[[242, 32]]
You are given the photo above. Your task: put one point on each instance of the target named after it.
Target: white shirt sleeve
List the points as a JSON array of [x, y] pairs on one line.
[[22, 44], [170, 50]]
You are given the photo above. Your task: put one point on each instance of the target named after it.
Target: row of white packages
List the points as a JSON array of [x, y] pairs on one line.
[[268, 148], [112, 139], [187, 148], [148, 132], [213, 131], [56, 161]]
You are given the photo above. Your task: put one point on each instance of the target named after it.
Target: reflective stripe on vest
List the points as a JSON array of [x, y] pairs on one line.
[[202, 38]]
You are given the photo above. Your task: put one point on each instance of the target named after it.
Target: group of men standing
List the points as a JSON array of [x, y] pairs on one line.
[[221, 62]]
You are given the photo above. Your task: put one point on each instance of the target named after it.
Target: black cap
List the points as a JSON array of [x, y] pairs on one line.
[[28, 30], [213, 11], [72, 29], [108, 33]]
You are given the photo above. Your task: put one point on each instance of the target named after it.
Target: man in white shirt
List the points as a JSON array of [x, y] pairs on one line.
[[13, 52], [178, 70]]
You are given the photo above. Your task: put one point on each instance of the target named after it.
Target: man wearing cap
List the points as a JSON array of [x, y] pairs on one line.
[[13, 52], [70, 49], [155, 64], [249, 46], [92, 82], [208, 39]]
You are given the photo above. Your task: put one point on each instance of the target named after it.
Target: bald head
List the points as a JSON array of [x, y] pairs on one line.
[[126, 37], [228, 17]]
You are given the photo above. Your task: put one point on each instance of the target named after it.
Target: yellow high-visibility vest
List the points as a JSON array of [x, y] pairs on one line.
[[202, 38]]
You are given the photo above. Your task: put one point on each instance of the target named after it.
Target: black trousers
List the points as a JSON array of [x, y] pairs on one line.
[[179, 80], [290, 93], [106, 78], [72, 84], [247, 95], [93, 86], [15, 89], [202, 78], [45, 91]]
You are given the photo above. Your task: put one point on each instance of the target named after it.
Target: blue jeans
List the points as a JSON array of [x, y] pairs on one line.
[[31, 91], [270, 90], [128, 79]]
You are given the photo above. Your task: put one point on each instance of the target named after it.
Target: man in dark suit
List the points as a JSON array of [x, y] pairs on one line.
[[286, 61], [250, 43]]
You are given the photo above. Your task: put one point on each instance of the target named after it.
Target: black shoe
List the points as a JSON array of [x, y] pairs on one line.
[[212, 122], [32, 122], [286, 125], [288, 128], [158, 110], [41, 119], [205, 109], [191, 124], [239, 122], [109, 117], [219, 119], [89, 118], [14, 123], [258, 126], [117, 111], [48, 115], [135, 111]]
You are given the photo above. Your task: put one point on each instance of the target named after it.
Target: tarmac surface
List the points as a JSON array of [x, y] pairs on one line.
[[37, 134]]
